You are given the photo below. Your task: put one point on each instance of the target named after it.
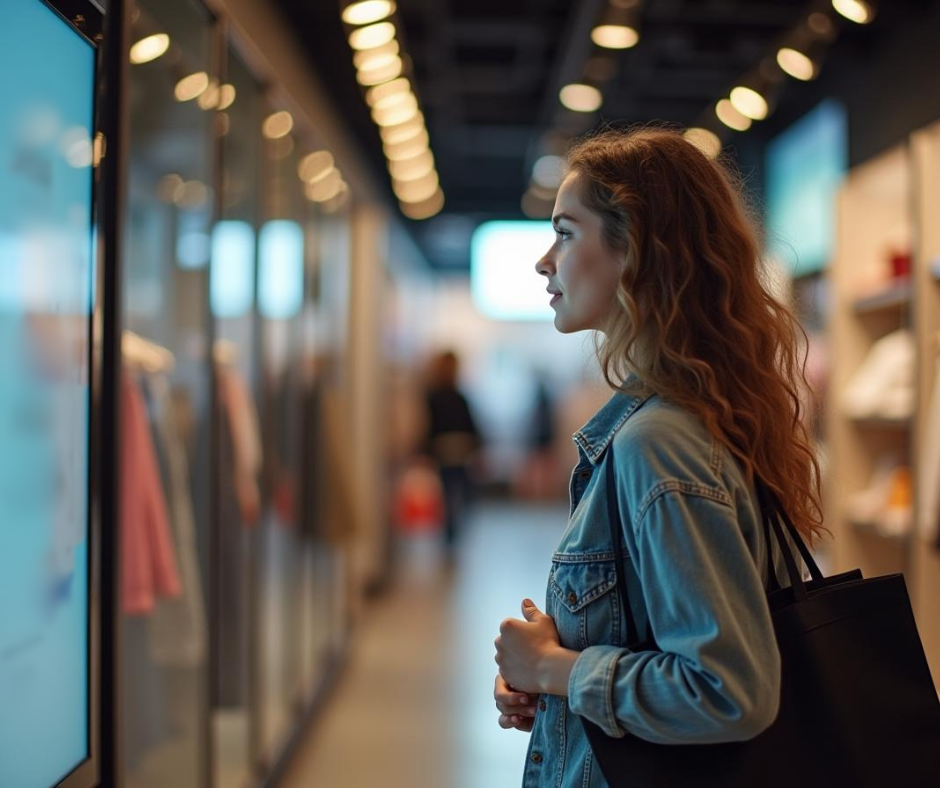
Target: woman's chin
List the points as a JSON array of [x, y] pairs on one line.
[[563, 326]]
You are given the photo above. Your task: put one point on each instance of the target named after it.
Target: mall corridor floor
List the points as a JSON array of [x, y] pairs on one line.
[[414, 706]]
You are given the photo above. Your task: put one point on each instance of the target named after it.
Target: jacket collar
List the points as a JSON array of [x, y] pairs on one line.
[[596, 435]]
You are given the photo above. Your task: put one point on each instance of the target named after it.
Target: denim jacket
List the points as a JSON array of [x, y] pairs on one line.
[[695, 568]]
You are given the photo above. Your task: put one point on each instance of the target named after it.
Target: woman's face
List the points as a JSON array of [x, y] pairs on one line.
[[582, 272]]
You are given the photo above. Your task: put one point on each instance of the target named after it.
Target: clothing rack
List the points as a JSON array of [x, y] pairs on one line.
[[145, 355]]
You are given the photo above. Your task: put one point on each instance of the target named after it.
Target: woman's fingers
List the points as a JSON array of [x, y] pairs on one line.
[[506, 695], [508, 721], [522, 711], [526, 725]]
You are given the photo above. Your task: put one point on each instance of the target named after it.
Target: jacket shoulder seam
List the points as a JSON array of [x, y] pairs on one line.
[[695, 489]]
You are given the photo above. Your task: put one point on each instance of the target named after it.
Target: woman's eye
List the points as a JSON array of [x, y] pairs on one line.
[[563, 234]]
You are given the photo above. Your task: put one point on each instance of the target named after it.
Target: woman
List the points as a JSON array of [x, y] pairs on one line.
[[654, 251]]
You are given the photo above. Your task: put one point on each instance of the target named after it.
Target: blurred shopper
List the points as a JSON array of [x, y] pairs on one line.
[[540, 476], [655, 251], [452, 440]]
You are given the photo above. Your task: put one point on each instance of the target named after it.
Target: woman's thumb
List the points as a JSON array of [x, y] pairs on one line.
[[529, 610]]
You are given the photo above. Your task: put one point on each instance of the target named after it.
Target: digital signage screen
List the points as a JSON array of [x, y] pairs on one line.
[[47, 103], [805, 166]]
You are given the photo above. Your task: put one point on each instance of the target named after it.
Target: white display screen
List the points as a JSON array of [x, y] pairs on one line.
[[46, 286], [503, 280]]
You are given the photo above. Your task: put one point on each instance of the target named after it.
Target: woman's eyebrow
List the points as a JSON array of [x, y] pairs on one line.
[[558, 217]]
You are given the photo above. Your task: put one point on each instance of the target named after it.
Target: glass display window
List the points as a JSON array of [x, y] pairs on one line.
[[165, 397]]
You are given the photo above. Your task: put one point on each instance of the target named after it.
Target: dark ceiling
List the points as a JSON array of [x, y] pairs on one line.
[[487, 75]]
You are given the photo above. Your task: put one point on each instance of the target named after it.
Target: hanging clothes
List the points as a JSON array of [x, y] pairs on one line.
[[177, 632], [242, 417], [148, 560]]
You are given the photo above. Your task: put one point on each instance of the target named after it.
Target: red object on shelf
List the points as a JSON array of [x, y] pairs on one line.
[[901, 265]]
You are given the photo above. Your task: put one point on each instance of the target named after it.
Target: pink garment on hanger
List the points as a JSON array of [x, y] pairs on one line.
[[246, 441], [148, 560]]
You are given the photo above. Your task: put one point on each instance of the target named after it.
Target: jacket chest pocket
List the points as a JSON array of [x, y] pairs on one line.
[[586, 604]]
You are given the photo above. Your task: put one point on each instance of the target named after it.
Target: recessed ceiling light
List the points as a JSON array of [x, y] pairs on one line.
[[315, 166], [547, 171], [749, 102], [376, 57], [395, 115], [392, 135], [424, 209], [733, 119], [372, 36], [615, 36], [191, 87], [796, 64], [705, 140], [379, 92], [278, 125], [412, 169], [857, 11], [149, 48], [581, 98], [365, 12], [376, 76], [416, 191], [409, 148]]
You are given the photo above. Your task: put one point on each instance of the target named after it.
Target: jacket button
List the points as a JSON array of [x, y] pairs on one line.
[[585, 474], [572, 597], [541, 705], [536, 758]]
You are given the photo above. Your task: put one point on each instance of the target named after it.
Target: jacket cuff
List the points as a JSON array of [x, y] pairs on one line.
[[591, 684]]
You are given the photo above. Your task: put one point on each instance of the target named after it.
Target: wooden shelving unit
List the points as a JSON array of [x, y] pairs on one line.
[[894, 196], [896, 296], [924, 580], [873, 208]]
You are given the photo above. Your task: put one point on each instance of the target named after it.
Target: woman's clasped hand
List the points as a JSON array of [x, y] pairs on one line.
[[531, 661]]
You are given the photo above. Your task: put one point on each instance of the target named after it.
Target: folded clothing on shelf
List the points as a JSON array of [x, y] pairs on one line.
[[887, 503], [883, 386]]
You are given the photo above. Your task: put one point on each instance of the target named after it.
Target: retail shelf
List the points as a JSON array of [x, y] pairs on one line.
[[874, 529], [882, 423], [896, 296]]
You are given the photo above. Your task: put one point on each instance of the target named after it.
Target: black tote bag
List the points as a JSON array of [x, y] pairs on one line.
[[858, 707]]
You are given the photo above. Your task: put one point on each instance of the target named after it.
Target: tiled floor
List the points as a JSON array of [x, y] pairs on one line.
[[414, 708]]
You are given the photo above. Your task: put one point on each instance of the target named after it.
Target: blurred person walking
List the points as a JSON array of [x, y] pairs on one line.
[[655, 252], [452, 441]]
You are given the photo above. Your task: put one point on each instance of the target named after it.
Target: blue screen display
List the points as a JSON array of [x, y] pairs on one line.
[[46, 282], [805, 166]]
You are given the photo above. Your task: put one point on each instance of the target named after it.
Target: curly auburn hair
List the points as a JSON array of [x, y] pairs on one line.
[[696, 322]]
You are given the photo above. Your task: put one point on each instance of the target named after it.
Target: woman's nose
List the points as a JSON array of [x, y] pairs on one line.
[[543, 265]]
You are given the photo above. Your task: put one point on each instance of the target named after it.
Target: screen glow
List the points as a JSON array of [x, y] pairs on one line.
[[232, 276], [503, 280], [805, 166], [281, 277], [45, 311]]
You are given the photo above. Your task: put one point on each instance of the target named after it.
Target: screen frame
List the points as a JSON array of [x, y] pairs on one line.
[[86, 19]]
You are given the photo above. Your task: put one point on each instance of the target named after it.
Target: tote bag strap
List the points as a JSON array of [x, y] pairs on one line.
[[771, 514]]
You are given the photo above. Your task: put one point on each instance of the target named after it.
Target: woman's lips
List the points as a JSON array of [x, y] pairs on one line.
[[554, 299]]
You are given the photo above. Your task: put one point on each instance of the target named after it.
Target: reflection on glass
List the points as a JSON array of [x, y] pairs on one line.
[[233, 273], [238, 441], [280, 297], [165, 420], [45, 306], [281, 281]]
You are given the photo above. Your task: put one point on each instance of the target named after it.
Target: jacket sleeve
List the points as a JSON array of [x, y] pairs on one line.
[[717, 678]]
